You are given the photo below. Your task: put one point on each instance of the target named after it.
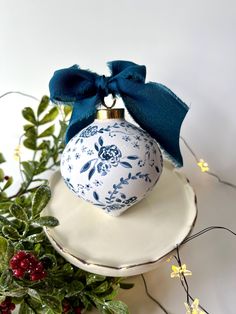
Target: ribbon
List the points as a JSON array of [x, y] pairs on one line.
[[152, 105]]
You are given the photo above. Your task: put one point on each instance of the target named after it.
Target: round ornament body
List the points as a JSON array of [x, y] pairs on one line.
[[112, 164]]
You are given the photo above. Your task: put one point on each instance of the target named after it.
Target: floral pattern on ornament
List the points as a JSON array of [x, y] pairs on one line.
[[108, 156]]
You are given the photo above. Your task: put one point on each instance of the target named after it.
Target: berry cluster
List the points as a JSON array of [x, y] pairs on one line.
[[26, 265], [68, 308], [7, 306]]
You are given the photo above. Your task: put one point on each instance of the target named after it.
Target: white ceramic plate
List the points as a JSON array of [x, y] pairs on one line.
[[127, 245]]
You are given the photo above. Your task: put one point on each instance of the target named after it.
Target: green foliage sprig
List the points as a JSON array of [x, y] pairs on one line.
[[63, 288]]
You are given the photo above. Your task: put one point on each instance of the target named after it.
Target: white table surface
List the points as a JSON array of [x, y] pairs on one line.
[[189, 46]]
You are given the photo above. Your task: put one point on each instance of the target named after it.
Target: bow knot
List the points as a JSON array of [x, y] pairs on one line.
[[152, 105], [102, 83]]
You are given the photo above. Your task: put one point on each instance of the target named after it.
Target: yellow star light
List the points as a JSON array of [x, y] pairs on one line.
[[203, 165], [17, 153], [194, 308], [178, 271]]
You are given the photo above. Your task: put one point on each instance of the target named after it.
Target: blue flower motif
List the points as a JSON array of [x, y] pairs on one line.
[[113, 207], [126, 138], [90, 152], [135, 144], [89, 131], [110, 154], [130, 200], [103, 168]]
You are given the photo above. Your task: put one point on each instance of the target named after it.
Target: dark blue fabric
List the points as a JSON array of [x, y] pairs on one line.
[[152, 105]]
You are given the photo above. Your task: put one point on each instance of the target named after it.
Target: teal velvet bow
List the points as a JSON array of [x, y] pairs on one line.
[[152, 105]]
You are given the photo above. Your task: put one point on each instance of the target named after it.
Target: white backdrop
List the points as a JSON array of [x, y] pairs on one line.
[[188, 46]]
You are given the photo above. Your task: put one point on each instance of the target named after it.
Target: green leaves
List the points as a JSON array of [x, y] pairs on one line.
[[47, 221], [21, 228], [18, 212], [40, 200], [28, 114], [49, 131], [91, 278], [10, 232], [52, 303], [117, 307], [3, 246], [43, 105], [49, 117], [2, 159]]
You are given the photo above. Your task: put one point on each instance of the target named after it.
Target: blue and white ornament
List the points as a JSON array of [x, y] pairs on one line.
[[111, 163]]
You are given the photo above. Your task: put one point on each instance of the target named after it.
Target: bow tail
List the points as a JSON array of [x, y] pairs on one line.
[[158, 111], [82, 115]]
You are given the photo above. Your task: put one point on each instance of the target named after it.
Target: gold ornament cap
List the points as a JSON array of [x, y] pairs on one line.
[[109, 113]]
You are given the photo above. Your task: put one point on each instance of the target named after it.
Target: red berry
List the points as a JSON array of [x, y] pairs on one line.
[[12, 306], [25, 263], [66, 308], [20, 255], [77, 310], [39, 267], [14, 262], [18, 272], [37, 276], [6, 178]]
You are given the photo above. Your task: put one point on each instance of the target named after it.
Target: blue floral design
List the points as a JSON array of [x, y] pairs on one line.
[[89, 131], [103, 168], [111, 154], [108, 156]]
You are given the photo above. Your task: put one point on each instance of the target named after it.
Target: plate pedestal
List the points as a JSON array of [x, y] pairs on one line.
[[130, 244]]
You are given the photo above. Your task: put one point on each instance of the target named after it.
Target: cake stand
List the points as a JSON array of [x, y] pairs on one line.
[[130, 244]]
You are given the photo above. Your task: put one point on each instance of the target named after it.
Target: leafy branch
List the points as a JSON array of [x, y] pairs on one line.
[[32, 273]]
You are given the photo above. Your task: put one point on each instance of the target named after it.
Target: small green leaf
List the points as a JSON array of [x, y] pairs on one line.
[[31, 132], [3, 196], [53, 113], [53, 303], [3, 246], [2, 175], [34, 294], [48, 132], [44, 145], [102, 288], [43, 105], [28, 169], [6, 279], [117, 307], [17, 293], [91, 278], [10, 233], [28, 114], [47, 221], [40, 200], [2, 159], [25, 309], [35, 238], [18, 212], [5, 206], [67, 110], [74, 288], [30, 143], [10, 251], [68, 269], [124, 285], [8, 183]]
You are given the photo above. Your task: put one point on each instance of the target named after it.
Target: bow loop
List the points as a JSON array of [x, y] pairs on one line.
[[153, 106]]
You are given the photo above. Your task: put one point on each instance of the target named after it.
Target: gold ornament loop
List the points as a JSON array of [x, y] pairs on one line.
[[112, 105]]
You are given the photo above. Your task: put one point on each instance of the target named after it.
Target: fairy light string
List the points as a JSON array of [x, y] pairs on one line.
[[180, 270]]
